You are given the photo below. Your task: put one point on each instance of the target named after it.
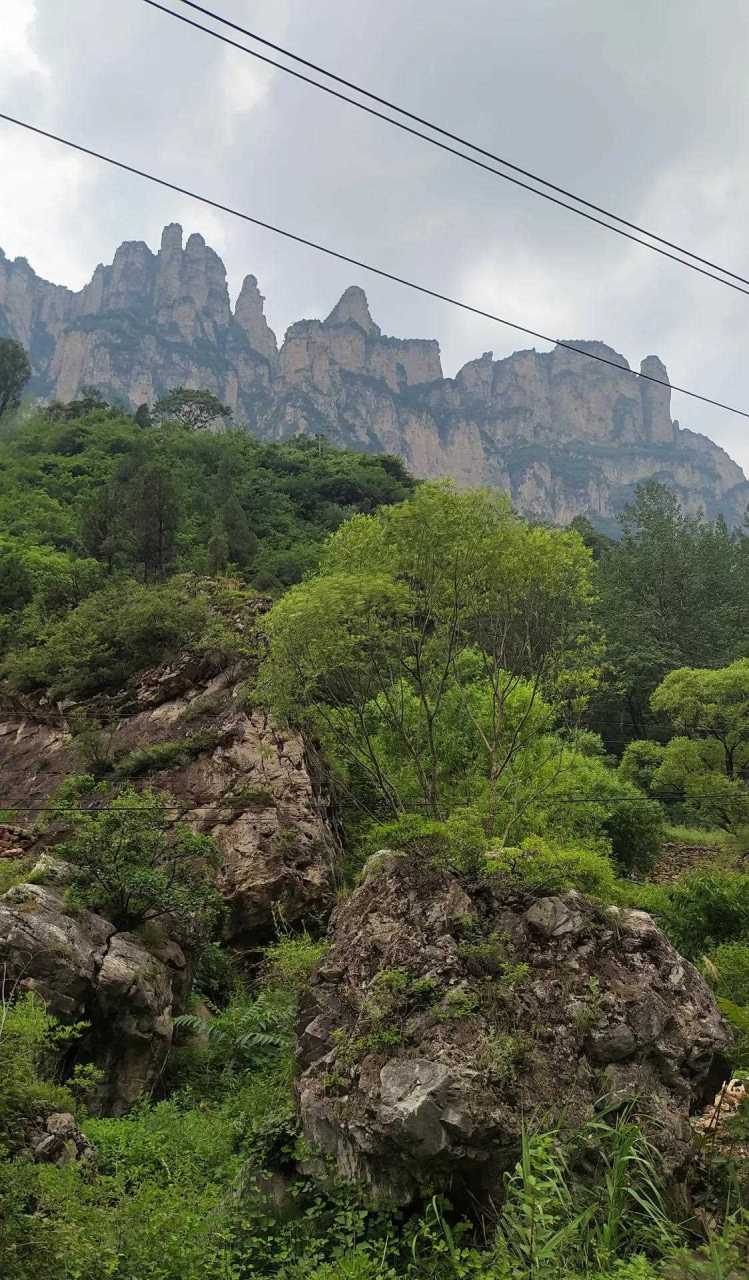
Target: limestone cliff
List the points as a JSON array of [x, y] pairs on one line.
[[564, 435]]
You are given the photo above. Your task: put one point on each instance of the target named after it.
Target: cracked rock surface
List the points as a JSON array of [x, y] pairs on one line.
[[84, 970], [446, 1012]]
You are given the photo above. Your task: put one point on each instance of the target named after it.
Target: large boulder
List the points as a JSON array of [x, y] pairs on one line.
[[84, 970], [447, 1015]]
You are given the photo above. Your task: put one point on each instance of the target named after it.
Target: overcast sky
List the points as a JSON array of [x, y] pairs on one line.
[[640, 107]]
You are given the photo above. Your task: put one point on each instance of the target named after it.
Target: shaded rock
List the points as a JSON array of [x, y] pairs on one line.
[[424, 1047], [239, 778], [84, 970], [58, 1140], [555, 917]]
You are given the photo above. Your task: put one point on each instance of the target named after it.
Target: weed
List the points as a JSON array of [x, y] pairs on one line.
[[456, 1004]]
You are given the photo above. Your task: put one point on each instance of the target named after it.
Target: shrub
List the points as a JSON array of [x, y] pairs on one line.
[[412, 834], [13, 871], [640, 761], [544, 868], [737, 1018], [635, 828], [705, 910], [728, 969], [108, 637], [133, 866], [165, 755], [29, 1039], [291, 961], [459, 841]]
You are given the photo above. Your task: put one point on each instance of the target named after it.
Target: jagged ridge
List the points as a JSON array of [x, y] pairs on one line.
[[562, 435]]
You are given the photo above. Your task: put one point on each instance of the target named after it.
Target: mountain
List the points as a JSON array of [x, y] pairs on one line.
[[565, 436]]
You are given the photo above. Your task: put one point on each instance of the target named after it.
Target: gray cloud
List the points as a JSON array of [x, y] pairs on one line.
[[640, 107]]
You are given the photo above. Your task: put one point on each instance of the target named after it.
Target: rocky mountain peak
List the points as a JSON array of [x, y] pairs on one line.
[[561, 434], [249, 314], [171, 239], [352, 308]]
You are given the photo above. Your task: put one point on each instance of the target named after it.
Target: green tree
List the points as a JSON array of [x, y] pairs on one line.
[[153, 510], [445, 610], [15, 372], [241, 541], [217, 551], [710, 704], [134, 865], [16, 582], [674, 591], [194, 409]]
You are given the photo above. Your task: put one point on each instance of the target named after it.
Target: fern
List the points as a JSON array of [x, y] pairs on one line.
[[247, 1033]]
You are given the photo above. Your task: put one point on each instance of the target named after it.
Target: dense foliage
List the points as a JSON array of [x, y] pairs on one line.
[[673, 592], [96, 512], [488, 694]]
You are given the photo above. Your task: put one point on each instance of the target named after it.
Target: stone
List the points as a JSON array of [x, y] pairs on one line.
[[564, 436], [471, 1063], [255, 787], [58, 1140], [84, 970], [555, 918]]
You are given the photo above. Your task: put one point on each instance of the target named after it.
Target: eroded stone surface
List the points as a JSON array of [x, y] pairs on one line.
[[425, 1045], [246, 782], [84, 970], [562, 434]]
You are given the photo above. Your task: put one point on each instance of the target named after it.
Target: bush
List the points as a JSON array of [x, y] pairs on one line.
[[134, 866], [705, 910], [29, 1040], [291, 961], [636, 829], [640, 761], [728, 970], [460, 841], [542, 867], [737, 1018], [108, 637]]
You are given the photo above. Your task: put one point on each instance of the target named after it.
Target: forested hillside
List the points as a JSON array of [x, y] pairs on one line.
[[373, 894]]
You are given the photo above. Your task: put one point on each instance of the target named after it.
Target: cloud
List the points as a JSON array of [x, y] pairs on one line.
[[630, 106]]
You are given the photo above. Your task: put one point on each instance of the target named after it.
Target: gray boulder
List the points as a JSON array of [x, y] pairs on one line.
[[83, 969], [446, 1015]]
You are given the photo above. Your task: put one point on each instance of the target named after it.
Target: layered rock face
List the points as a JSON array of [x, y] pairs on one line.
[[236, 776], [83, 969], [446, 1015], [563, 435], [182, 728]]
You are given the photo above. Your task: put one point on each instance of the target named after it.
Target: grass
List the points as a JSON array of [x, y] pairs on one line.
[[705, 837], [13, 871]]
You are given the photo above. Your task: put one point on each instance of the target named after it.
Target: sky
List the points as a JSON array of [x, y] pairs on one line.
[[641, 108]]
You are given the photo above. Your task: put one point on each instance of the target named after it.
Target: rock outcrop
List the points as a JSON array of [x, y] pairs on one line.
[[84, 970], [563, 435], [446, 1015], [184, 728]]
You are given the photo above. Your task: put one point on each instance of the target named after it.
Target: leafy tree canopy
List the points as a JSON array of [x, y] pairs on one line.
[[134, 865], [194, 409], [15, 372], [444, 627]]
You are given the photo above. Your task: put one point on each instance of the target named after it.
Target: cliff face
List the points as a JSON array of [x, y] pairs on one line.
[[563, 435]]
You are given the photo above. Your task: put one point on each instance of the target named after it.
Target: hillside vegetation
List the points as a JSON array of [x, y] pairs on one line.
[[516, 709]]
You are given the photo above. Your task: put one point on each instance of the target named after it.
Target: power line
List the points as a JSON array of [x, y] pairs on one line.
[[366, 266], [239, 808], [446, 133]]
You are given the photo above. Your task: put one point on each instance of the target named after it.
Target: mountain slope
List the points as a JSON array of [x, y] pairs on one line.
[[563, 435]]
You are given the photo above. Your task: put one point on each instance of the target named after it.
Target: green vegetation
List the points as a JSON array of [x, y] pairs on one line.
[[127, 868], [15, 372], [527, 706], [97, 511]]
